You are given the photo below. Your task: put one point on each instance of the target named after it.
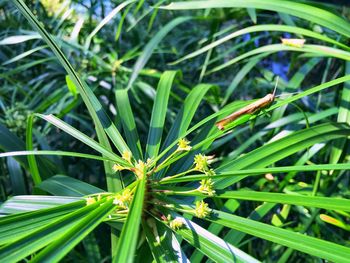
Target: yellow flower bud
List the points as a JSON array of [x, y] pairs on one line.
[[202, 209], [117, 167], [201, 162], [176, 224], [123, 199], [90, 200], [127, 155], [183, 145], [207, 187]]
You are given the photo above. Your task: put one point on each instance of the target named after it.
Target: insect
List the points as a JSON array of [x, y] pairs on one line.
[[249, 109]]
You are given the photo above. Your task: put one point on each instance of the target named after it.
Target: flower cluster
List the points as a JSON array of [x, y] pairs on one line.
[[123, 199], [176, 223], [201, 162], [202, 209], [207, 187], [138, 167], [183, 145]]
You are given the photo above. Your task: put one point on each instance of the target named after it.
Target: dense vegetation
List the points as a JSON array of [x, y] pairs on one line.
[[110, 145]]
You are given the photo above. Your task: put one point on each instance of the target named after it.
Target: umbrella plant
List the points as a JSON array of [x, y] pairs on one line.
[[176, 189]]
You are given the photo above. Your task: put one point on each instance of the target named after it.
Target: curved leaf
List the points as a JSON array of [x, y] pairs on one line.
[[159, 111], [279, 149], [303, 243], [151, 45], [308, 12]]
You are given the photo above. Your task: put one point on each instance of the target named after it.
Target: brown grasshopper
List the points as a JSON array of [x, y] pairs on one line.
[[249, 109]]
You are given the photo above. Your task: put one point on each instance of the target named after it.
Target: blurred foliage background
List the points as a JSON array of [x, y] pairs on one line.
[[130, 48]]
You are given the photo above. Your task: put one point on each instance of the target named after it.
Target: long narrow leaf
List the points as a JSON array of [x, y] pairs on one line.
[[80, 136], [282, 148], [151, 45], [259, 28], [96, 111], [58, 249], [129, 236], [303, 243], [159, 110], [105, 21], [209, 244], [126, 116], [308, 12]]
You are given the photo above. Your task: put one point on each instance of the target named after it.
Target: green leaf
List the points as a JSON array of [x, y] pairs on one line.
[[209, 244], [80, 136], [159, 111], [16, 177], [260, 171], [68, 186], [130, 232], [343, 116], [126, 116], [317, 50], [10, 73], [262, 28], [57, 153], [61, 246], [151, 45], [310, 201], [100, 117], [16, 226], [184, 117], [71, 87], [308, 12], [105, 21], [164, 247], [18, 39], [230, 206], [279, 149], [10, 142], [102, 122], [235, 237], [252, 14], [44, 235], [23, 55], [303, 243], [25, 203], [33, 166]]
